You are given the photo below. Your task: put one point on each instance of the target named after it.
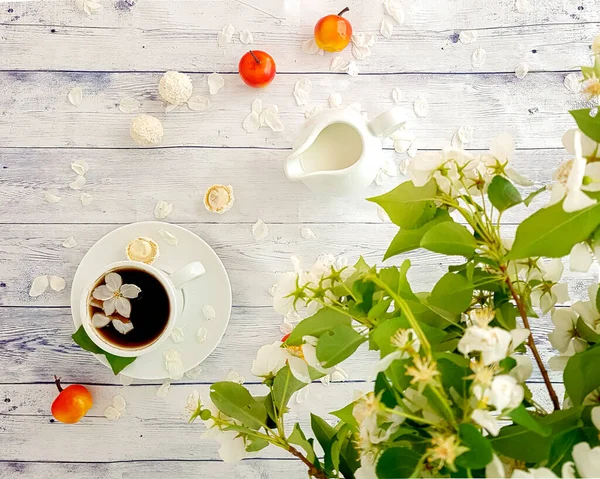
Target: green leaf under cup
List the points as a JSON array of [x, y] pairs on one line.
[[117, 363]]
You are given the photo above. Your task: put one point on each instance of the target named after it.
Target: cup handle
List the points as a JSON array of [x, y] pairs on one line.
[[186, 274], [387, 122]]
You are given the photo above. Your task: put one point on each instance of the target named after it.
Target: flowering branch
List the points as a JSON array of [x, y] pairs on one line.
[[312, 470]]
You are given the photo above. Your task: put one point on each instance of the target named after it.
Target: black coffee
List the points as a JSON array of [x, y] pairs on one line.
[[150, 311]]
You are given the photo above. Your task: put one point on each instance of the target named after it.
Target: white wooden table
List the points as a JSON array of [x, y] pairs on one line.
[[48, 47]]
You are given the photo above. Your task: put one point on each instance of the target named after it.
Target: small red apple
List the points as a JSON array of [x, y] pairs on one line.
[[72, 403], [257, 69]]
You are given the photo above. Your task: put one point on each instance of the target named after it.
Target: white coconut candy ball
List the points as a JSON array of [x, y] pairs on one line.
[[146, 130], [175, 88]]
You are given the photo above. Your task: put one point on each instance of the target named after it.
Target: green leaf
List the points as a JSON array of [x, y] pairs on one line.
[[552, 233], [383, 332], [452, 293], [323, 431], [397, 462], [531, 196], [598, 300], [284, 385], [480, 451], [562, 447], [582, 374], [322, 321], [449, 238], [117, 363], [256, 444], [502, 194], [395, 278], [409, 206], [524, 418], [338, 344], [588, 72], [587, 333], [298, 438], [522, 444], [346, 416], [506, 315], [234, 400], [589, 125], [410, 239]]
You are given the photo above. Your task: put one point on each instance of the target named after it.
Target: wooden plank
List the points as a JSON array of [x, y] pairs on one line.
[[150, 429], [127, 184], [159, 35], [247, 469], [37, 113], [27, 251], [36, 344]]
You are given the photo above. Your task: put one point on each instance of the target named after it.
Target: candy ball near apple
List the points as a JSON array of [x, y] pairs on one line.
[[257, 69], [333, 32]]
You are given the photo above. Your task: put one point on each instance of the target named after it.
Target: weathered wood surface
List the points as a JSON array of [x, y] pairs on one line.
[[55, 36], [36, 112]]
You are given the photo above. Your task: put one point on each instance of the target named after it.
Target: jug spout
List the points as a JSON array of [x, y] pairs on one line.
[[293, 167]]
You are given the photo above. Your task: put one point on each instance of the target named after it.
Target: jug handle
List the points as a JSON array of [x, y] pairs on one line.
[[387, 122], [293, 167]]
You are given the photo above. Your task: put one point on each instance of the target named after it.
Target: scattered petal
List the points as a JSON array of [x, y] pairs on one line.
[[70, 242], [86, 199], [201, 335], [38, 286], [225, 35], [169, 238], [363, 39], [194, 373], [335, 100], [260, 230], [521, 70], [307, 233], [465, 134], [302, 91], [100, 320], [209, 312], [352, 69], [162, 210], [215, 83], [313, 111], [310, 46], [246, 37], [111, 413], [421, 107], [338, 64], [397, 95], [387, 27], [125, 380], [122, 326], [80, 167], [394, 9], [402, 146], [272, 119], [51, 197], [234, 377], [75, 96], [467, 37], [119, 403], [478, 57], [163, 390], [129, 105], [57, 283], [173, 364], [257, 106], [198, 103], [360, 53], [523, 6], [177, 335], [456, 142], [79, 182], [252, 122], [573, 82]]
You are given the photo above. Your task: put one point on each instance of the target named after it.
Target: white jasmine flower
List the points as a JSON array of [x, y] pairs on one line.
[[423, 371], [233, 446], [518, 335], [587, 309], [539, 473], [565, 332], [523, 369], [589, 148], [485, 419], [505, 392], [581, 258], [501, 153], [587, 460], [495, 468], [493, 343], [445, 449], [115, 295], [481, 316], [366, 469]]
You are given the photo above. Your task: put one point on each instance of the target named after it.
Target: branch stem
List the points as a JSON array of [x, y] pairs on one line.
[[343, 11], [312, 470]]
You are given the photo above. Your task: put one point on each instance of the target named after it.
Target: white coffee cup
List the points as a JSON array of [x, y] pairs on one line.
[[172, 283]]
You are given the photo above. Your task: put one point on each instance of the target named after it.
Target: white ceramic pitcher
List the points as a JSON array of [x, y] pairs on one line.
[[338, 152]]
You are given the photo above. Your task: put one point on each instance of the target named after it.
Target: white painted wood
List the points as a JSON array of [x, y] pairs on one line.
[[27, 251], [38, 114], [126, 185], [160, 35], [150, 429]]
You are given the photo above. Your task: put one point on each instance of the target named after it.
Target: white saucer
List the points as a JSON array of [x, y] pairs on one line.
[[213, 289]]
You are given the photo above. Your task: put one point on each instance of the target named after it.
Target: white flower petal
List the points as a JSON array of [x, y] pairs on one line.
[[521, 70], [57, 283], [123, 306], [486, 420], [596, 417], [75, 96], [103, 293], [307, 233], [397, 95], [162, 210], [198, 103], [338, 64], [246, 37], [360, 53], [209, 312], [252, 122], [421, 107], [121, 326], [78, 183], [310, 46], [130, 291], [260, 230], [39, 286], [302, 90], [201, 335], [111, 413], [313, 111], [215, 83], [587, 460], [465, 133], [108, 306], [478, 57], [169, 238], [225, 35], [580, 258], [387, 27], [467, 37], [272, 120], [86, 199], [80, 167], [335, 100], [394, 9], [125, 380], [99, 320], [119, 403], [51, 197], [129, 105], [523, 6], [163, 390], [234, 377], [352, 69], [173, 364], [177, 335], [113, 281]]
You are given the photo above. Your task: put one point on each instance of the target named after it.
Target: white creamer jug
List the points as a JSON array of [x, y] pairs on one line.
[[338, 152]]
